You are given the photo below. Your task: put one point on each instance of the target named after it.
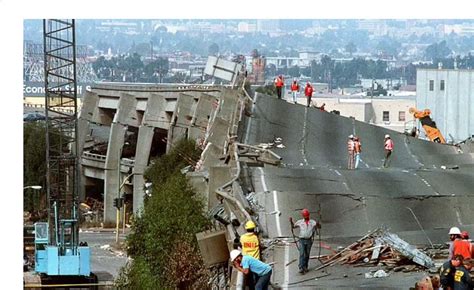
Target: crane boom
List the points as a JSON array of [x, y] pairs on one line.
[[432, 132]]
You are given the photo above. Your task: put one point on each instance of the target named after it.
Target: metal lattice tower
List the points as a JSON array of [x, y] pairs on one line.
[[61, 119]]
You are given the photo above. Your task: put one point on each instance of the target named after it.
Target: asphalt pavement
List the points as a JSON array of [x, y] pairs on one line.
[[415, 197]]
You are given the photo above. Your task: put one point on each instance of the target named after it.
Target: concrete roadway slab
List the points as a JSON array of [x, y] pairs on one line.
[[314, 175]]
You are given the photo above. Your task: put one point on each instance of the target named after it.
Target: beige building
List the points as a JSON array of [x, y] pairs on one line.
[[389, 112]]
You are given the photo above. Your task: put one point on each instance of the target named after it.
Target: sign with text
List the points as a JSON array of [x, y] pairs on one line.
[[36, 89]]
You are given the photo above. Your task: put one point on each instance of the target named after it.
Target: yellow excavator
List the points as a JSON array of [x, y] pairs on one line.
[[428, 124]]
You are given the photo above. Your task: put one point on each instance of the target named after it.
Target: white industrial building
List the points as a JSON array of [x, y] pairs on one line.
[[449, 94], [388, 112]]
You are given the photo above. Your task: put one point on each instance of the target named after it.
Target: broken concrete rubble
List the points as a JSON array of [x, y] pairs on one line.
[[382, 248]]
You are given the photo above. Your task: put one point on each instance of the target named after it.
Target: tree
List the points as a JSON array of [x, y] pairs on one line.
[[213, 49], [156, 70], [294, 71], [162, 242], [351, 48], [437, 51], [34, 162]]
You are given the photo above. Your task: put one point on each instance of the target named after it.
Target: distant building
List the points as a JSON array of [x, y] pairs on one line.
[[448, 93], [246, 27], [374, 26], [460, 29], [388, 112], [268, 25]]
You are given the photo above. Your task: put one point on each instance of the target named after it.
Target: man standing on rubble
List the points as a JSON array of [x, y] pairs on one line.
[[248, 265], [306, 235], [388, 148]]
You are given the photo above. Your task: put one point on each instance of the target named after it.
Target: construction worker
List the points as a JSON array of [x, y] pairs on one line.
[[249, 241], [462, 278], [279, 85], [350, 152], [462, 247], [322, 108], [357, 150], [465, 236], [388, 148], [454, 233], [295, 88], [306, 235], [308, 92], [248, 264], [447, 270]]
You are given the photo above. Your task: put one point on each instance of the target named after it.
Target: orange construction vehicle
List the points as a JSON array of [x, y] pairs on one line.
[[428, 124]]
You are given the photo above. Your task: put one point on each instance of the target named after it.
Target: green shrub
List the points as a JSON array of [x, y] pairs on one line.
[[162, 242]]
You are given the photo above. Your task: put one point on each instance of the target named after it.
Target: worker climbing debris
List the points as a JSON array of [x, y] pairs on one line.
[[250, 246], [248, 265], [350, 152], [307, 228], [388, 148], [250, 242]]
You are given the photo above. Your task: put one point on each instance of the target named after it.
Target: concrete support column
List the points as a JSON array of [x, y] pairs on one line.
[[125, 115], [181, 119], [151, 119], [88, 111]]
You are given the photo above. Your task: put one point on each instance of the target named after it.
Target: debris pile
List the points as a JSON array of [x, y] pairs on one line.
[[381, 248]]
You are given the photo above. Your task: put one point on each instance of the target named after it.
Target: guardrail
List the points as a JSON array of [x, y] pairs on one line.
[[102, 158]]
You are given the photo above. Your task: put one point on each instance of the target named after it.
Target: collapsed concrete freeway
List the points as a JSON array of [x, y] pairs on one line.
[[413, 197]]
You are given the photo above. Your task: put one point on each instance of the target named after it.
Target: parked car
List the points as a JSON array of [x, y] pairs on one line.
[[34, 116]]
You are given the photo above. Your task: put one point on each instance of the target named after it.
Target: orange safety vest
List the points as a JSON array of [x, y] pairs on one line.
[[295, 87], [350, 145], [308, 91], [279, 82], [462, 247]]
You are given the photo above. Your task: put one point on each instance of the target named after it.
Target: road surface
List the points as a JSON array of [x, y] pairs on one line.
[[314, 175]]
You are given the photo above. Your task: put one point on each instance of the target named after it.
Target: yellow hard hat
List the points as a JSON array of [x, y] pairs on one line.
[[249, 225]]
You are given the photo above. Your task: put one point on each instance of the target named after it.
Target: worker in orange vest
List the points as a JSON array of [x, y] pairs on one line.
[[295, 88], [461, 246], [350, 152], [308, 92], [279, 85], [388, 148]]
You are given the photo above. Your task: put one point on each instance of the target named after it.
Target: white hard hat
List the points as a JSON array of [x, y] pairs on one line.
[[387, 136], [234, 254], [454, 231], [351, 136]]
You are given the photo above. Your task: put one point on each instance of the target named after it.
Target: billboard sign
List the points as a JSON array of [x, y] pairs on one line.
[[36, 89]]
